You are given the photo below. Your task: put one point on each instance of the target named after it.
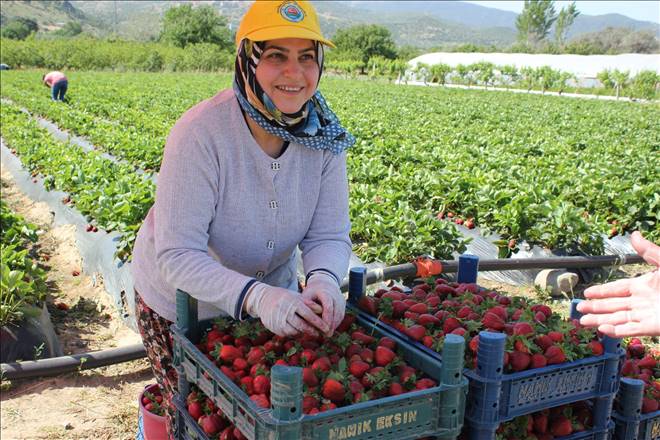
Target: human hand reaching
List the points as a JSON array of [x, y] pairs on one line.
[[628, 307], [322, 288], [283, 311]]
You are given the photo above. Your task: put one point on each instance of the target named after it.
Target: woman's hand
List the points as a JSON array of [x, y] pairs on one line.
[[628, 307], [322, 288], [283, 311]]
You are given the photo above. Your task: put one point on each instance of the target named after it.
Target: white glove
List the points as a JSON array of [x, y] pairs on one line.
[[282, 311], [323, 288]]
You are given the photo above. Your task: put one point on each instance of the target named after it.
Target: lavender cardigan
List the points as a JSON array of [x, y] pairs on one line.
[[227, 213]]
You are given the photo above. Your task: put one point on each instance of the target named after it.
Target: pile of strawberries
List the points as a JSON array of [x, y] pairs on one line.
[[643, 363], [536, 336], [210, 418], [548, 424], [349, 367], [153, 401]]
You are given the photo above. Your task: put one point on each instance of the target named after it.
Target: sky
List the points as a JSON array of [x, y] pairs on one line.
[[648, 10]]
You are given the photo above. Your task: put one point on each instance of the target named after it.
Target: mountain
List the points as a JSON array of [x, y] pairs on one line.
[[49, 15], [423, 24]]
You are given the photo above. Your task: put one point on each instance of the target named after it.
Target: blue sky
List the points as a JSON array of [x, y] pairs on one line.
[[648, 10]]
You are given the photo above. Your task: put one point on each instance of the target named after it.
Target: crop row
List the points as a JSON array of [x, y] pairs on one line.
[[556, 172], [112, 195]]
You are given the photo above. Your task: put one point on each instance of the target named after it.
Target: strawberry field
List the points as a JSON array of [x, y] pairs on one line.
[[559, 173]]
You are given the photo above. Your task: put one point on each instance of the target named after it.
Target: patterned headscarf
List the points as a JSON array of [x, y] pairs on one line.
[[314, 125]]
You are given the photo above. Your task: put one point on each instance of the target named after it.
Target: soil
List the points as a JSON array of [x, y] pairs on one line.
[[90, 404]]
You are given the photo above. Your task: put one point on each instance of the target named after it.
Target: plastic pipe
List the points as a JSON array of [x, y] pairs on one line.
[[410, 269], [67, 364]]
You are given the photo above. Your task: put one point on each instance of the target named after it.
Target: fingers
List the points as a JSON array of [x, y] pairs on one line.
[[308, 315], [618, 288], [646, 249], [607, 305], [616, 318], [623, 330], [298, 326]]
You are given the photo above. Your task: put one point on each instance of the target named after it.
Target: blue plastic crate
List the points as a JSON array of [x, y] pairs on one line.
[[630, 423], [495, 397], [436, 411]]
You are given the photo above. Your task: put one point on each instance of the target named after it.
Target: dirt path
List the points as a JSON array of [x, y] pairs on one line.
[[92, 404]]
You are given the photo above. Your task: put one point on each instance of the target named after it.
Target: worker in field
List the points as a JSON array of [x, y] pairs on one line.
[[248, 177], [627, 307], [58, 84]]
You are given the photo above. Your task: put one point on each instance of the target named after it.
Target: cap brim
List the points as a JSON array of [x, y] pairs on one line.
[[278, 32]]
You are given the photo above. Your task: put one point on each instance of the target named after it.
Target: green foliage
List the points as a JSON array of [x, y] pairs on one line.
[[86, 53], [565, 20], [71, 29], [535, 21], [184, 25], [646, 84], [19, 29], [22, 281], [367, 41]]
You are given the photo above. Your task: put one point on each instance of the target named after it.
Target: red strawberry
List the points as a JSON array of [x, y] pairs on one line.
[[523, 328], [240, 364], [309, 403], [474, 344], [493, 321], [561, 426], [383, 356], [211, 424], [425, 383], [463, 312], [538, 361], [309, 378], [399, 308], [417, 332], [367, 355], [358, 368], [368, 304], [428, 341], [420, 308], [261, 400], [396, 389], [519, 361], [261, 384], [541, 422], [427, 320], [596, 348], [364, 338], [647, 362], [500, 311], [346, 323], [543, 341], [649, 405], [555, 355], [629, 368], [334, 391], [322, 363], [636, 349], [247, 383], [195, 410], [229, 353], [556, 336], [450, 324], [387, 342]]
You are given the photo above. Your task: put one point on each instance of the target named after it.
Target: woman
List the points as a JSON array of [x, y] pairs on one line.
[[247, 177], [58, 84]]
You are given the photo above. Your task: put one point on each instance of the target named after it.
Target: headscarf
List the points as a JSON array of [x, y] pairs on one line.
[[314, 125]]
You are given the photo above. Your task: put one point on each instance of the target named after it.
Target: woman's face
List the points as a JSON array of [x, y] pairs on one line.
[[288, 72]]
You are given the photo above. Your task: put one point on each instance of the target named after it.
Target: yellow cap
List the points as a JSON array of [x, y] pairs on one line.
[[271, 20]]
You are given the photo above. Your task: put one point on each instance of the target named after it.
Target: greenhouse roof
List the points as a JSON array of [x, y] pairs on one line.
[[582, 66]]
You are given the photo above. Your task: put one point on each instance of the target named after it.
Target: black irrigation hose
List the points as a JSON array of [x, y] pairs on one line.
[[68, 364], [410, 269], [84, 361]]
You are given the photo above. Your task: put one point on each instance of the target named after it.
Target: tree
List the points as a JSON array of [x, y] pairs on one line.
[[71, 29], [535, 21], [565, 20], [646, 84], [439, 73], [620, 80], [562, 81], [509, 75], [19, 29], [184, 25], [546, 77], [368, 40]]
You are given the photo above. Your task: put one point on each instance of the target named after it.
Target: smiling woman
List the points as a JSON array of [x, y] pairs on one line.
[[248, 177]]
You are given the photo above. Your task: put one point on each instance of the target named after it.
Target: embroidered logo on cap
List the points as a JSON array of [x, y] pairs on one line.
[[292, 12]]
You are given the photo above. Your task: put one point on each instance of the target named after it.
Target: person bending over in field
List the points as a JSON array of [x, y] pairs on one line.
[[58, 84], [247, 177], [629, 307]]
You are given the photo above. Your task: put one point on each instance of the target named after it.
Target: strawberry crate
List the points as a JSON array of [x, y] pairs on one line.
[[436, 411], [495, 397], [630, 423]]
